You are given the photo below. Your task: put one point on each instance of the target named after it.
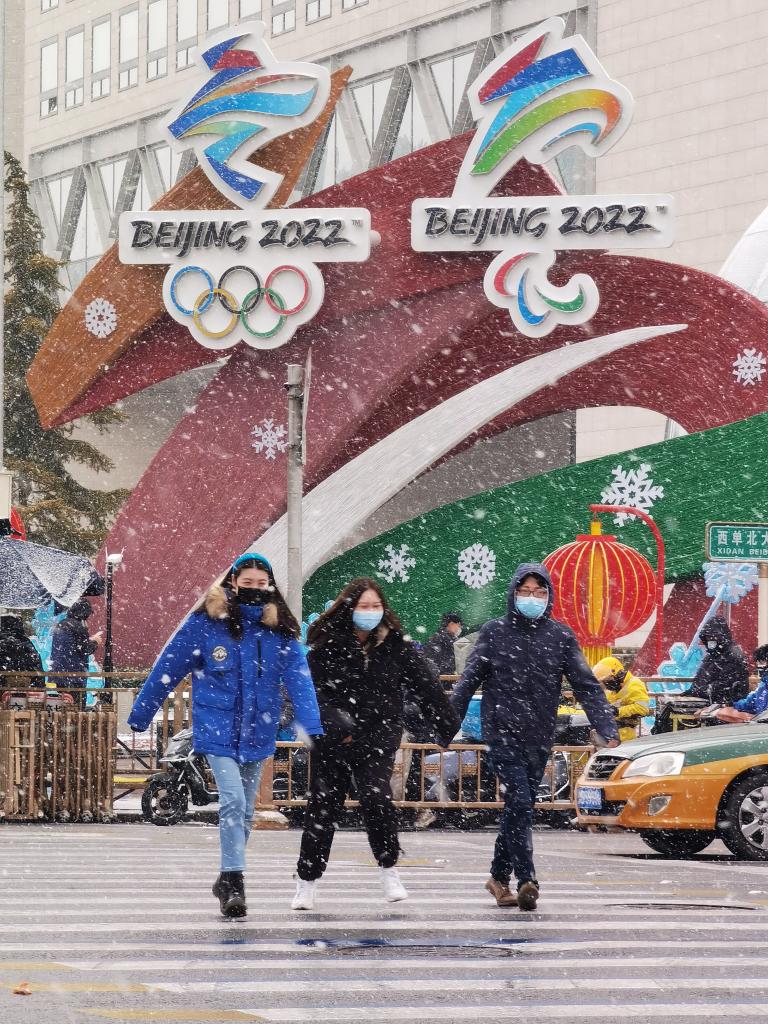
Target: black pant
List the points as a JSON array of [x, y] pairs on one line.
[[520, 770], [333, 767]]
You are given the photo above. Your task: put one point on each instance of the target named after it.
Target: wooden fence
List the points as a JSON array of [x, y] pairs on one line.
[[56, 765]]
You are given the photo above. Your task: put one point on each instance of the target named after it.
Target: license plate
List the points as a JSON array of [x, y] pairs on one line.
[[590, 798]]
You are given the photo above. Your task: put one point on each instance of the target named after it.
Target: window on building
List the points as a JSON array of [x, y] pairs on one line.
[[370, 100], [337, 163], [347, 5], [186, 20], [284, 21], [249, 8], [157, 39], [218, 14], [49, 78], [169, 164], [186, 32], [101, 59], [74, 59], [413, 133], [48, 5], [450, 77], [129, 49], [317, 9], [112, 178]]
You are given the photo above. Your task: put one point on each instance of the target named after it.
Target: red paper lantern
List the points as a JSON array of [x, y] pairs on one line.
[[602, 590]]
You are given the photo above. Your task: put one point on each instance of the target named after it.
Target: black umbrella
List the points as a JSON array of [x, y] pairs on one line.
[[32, 575]]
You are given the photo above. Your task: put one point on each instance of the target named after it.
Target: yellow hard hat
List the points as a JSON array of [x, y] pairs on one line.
[[607, 668]]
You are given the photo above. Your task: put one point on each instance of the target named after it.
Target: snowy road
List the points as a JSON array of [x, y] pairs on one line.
[[117, 923]]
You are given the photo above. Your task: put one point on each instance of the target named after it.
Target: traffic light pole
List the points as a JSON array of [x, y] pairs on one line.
[[295, 485]]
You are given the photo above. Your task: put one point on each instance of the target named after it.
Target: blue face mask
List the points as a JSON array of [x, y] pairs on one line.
[[367, 620], [531, 607]]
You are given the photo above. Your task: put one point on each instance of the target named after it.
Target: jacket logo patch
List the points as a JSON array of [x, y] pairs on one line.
[[219, 653]]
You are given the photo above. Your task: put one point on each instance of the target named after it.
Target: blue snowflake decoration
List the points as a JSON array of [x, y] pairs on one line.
[[728, 582]]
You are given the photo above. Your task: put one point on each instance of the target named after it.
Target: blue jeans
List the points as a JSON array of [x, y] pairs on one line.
[[520, 770], [237, 785]]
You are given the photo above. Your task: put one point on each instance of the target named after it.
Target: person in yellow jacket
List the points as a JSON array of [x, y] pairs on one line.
[[625, 693]]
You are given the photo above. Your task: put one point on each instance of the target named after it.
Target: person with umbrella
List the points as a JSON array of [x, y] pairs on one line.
[[71, 649]]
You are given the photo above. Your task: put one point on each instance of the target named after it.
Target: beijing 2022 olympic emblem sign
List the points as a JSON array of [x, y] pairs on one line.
[[542, 95], [249, 274]]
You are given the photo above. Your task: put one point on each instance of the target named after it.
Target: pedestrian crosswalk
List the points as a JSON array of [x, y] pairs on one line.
[[117, 923]]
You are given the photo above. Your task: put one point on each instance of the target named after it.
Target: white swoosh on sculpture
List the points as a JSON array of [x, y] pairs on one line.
[[344, 500]]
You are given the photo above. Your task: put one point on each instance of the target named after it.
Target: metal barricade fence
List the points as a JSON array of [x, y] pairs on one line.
[[426, 776]]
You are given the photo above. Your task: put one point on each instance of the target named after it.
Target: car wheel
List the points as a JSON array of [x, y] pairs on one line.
[[746, 819], [682, 842], [162, 802]]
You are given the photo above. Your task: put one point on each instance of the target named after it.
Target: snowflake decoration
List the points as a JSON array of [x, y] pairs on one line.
[[396, 565], [729, 581], [632, 487], [477, 566], [749, 367], [269, 438], [100, 318]]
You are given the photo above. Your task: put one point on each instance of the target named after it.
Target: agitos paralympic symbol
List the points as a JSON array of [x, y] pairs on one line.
[[247, 275], [542, 95]]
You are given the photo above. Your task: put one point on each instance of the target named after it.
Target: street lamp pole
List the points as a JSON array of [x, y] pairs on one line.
[[295, 485], [2, 236]]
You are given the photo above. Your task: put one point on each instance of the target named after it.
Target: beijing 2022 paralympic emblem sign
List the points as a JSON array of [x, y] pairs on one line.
[[248, 274], [540, 96]]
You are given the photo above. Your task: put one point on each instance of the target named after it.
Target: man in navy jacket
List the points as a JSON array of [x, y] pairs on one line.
[[519, 661]]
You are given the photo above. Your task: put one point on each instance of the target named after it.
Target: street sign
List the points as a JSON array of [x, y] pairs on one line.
[[737, 542]]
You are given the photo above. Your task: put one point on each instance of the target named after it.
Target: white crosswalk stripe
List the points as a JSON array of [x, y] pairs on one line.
[[103, 925]]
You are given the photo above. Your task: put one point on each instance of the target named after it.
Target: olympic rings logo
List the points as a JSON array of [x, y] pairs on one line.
[[263, 295]]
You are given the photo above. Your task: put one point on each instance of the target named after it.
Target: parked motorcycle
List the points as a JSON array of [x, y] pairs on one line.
[[166, 796]]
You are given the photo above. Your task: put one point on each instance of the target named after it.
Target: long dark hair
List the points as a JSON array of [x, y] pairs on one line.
[[286, 620], [338, 618]]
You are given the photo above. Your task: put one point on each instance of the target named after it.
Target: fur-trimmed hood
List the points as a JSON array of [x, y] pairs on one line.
[[216, 606]]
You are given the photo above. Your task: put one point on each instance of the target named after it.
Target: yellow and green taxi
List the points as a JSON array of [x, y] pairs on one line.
[[681, 790]]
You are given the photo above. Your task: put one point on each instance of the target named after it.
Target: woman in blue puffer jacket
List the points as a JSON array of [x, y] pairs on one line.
[[239, 649]]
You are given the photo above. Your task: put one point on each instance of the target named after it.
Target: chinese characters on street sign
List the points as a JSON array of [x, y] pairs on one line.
[[737, 542]]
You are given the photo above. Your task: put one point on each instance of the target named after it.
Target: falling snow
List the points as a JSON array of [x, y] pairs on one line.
[[396, 564], [634, 488], [477, 566], [269, 439], [749, 367]]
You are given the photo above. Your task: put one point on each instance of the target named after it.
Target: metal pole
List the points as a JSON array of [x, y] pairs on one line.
[[295, 487], [762, 604], [2, 236], [108, 664]]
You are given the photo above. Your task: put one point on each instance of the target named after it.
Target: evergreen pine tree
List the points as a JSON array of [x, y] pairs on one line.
[[56, 509]]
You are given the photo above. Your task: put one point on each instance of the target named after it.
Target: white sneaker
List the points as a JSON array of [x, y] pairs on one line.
[[305, 895], [394, 890]]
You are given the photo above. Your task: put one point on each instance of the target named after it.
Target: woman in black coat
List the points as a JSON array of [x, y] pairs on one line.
[[363, 668]]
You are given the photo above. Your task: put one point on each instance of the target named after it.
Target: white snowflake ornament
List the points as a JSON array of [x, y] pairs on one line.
[[477, 566], [749, 367], [269, 438], [396, 564], [632, 487], [100, 318]]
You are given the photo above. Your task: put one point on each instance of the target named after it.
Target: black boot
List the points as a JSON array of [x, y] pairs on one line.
[[229, 887]]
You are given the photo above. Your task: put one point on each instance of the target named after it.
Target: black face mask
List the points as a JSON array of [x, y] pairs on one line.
[[614, 685], [253, 595]]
